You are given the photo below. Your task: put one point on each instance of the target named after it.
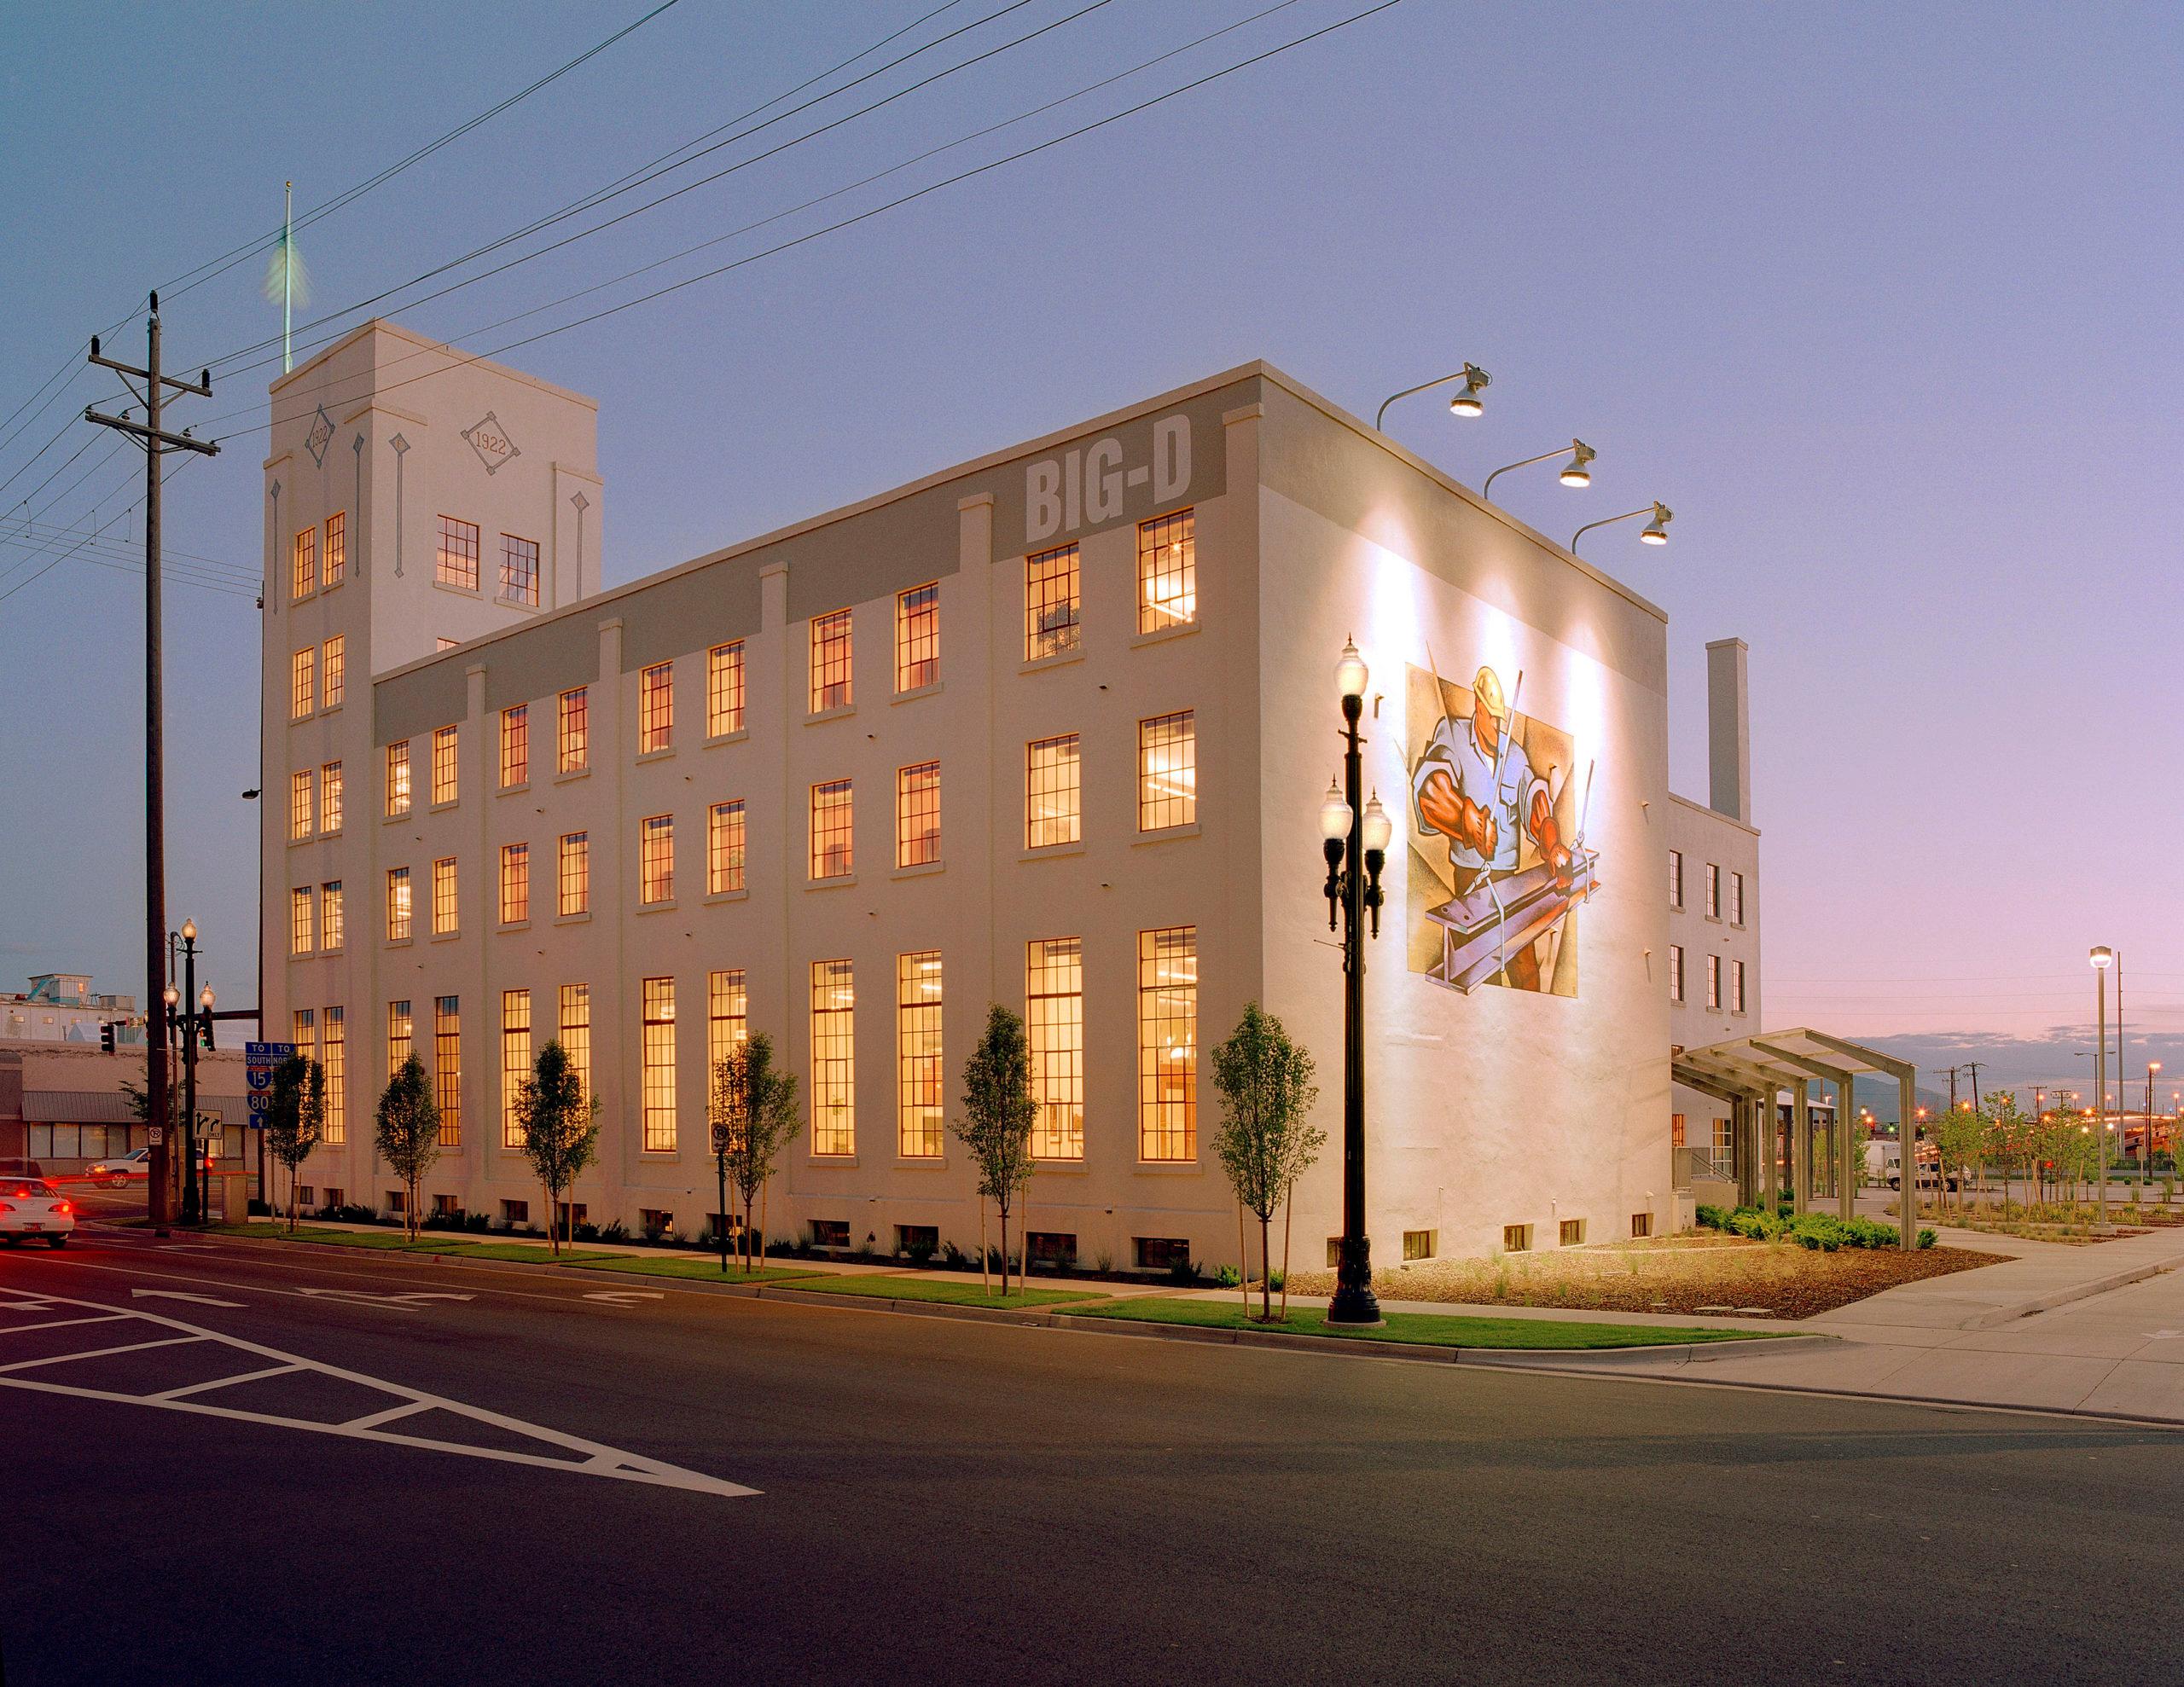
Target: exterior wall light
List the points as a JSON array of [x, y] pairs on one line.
[[1657, 529], [1466, 403], [1574, 473]]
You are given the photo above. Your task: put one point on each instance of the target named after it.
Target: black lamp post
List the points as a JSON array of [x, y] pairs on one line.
[[1357, 846], [193, 1203]]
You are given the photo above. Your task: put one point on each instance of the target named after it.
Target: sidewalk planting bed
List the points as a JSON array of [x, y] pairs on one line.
[[1419, 1329], [705, 1269], [1689, 1273], [942, 1291], [442, 1243]]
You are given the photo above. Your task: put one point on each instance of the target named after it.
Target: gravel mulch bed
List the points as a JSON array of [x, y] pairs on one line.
[[1695, 1274]]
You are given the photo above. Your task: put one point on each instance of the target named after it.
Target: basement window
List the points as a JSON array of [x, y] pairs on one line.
[[1161, 1253], [1420, 1245], [1054, 1247], [1516, 1239], [1641, 1225], [830, 1232], [513, 1213], [1573, 1232]]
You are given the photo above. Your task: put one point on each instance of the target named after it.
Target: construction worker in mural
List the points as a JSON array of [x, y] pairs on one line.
[[1475, 785]]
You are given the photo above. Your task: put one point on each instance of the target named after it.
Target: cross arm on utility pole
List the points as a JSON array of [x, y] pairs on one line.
[[160, 439], [202, 386]]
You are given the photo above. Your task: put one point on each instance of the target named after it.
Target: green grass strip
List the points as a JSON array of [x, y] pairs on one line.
[[445, 1243], [705, 1267], [1419, 1329], [942, 1290]]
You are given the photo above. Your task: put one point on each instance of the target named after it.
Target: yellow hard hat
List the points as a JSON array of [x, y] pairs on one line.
[[1487, 688]]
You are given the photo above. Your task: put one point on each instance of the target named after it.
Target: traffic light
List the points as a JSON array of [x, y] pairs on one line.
[[105, 1036], [207, 1022]]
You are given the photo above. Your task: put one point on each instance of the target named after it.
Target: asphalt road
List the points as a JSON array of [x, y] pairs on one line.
[[943, 1501]]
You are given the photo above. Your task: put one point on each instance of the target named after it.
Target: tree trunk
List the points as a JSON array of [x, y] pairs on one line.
[[1243, 1261], [761, 1227], [1266, 1267], [985, 1260], [1003, 1206]]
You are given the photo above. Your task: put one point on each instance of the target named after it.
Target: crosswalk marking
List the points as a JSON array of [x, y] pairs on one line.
[[571, 1453]]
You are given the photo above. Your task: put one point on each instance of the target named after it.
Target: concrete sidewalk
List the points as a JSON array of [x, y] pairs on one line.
[[2095, 1330]]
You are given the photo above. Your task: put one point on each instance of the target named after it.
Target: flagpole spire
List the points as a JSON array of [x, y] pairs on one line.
[[287, 272]]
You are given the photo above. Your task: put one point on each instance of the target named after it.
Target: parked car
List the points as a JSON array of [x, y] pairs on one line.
[[32, 1207], [113, 1174]]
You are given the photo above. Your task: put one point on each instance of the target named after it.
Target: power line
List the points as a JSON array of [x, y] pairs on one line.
[[650, 172], [872, 211]]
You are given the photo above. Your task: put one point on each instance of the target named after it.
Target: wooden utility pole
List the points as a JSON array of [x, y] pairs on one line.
[[157, 443]]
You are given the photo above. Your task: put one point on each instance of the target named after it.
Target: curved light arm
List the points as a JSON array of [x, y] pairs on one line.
[[1584, 452], [1657, 510], [1427, 386]]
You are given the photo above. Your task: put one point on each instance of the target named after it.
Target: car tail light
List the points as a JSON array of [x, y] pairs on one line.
[[62, 1207], [6, 1207]]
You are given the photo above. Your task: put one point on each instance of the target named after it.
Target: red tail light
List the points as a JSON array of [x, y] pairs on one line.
[[62, 1207], [6, 1207]]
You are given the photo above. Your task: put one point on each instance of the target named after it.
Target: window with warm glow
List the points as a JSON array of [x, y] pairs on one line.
[[401, 1040], [335, 1126], [1053, 1005], [515, 745], [398, 778], [337, 546], [299, 806], [655, 708], [446, 766], [303, 683], [573, 874], [657, 1052], [656, 860], [398, 905], [917, 637], [458, 554], [303, 576], [447, 1067], [1167, 1044], [921, 1084], [1713, 981], [1050, 603], [329, 915], [1051, 812], [831, 856], [833, 1057], [723, 848], [520, 570], [724, 689], [830, 661], [727, 1018], [300, 922], [575, 1031], [329, 799], [1167, 572], [515, 884], [572, 733], [303, 1032], [443, 914], [515, 1061], [917, 814], [1167, 771], [1736, 986], [335, 667]]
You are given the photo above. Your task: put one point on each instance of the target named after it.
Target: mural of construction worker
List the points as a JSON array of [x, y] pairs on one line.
[[1475, 786]]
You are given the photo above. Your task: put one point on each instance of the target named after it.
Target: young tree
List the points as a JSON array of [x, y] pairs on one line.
[[559, 1127], [1266, 1141], [407, 1131], [755, 1108], [295, 1117], [998, 1112]]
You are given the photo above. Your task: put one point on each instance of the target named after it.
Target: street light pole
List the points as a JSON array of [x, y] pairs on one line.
[[193, 1207], [1355, 840], [2101, 957]]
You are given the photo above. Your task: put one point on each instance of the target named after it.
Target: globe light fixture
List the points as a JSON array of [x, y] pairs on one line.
[[188, 931], [1351, 672], [1335, 815]]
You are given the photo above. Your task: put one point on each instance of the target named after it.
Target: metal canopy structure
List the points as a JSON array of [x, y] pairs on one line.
[[1750, 1073]]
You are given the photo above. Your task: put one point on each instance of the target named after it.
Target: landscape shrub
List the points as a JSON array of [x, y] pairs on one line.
[[1186, 1273], [1225, 1277], [1816, 1231]]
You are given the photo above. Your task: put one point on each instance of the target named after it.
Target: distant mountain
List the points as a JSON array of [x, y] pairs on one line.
[[2051, 1061]]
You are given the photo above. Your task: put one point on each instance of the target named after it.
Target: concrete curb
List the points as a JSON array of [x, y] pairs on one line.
[[2076, 1291], [1354, 1347]]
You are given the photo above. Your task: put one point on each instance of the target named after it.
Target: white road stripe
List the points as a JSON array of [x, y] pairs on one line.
[[592, 1458], [59, 1323], [102, 1352], [223, 1383]]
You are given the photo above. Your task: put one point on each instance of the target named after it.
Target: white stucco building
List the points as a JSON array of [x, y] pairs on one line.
[[1050, 728]]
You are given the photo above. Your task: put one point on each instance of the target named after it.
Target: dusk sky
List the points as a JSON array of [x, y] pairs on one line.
[[1882, 300]]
